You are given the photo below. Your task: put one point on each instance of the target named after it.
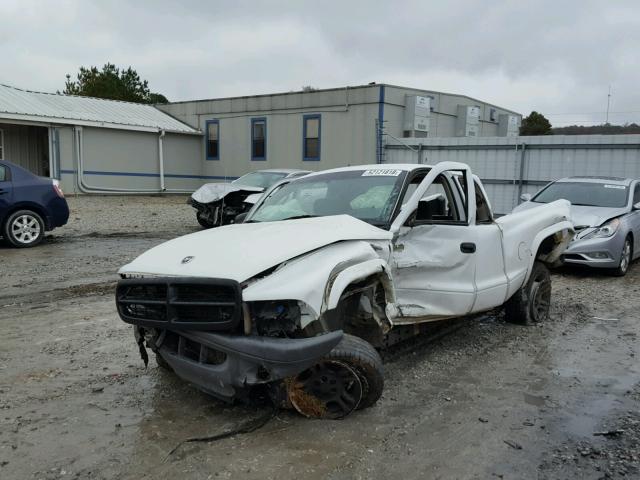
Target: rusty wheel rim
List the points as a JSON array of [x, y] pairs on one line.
[[329, 389]]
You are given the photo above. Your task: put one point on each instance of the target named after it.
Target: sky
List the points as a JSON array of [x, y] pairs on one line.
[[556, 57]]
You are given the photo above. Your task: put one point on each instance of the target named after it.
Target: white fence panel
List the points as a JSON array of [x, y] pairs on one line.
[[512, 166]]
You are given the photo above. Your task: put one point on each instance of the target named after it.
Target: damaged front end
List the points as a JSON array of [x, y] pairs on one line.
[[219, 204], [199, 328]]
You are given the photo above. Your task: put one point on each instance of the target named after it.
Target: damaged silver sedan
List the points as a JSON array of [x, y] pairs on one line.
[[329, 268], [218, 204]]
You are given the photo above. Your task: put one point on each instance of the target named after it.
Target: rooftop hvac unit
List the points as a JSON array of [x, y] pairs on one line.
[[468, 121], [508, 125], [417, 112]]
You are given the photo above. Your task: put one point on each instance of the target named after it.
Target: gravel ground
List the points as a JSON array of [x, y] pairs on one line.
[[103, 233], [487, 400]]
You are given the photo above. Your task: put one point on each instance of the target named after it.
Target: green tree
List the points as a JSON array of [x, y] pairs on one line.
[[535, 124], [113, 83]]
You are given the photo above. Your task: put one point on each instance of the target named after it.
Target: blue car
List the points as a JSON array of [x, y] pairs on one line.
[[29, 206]]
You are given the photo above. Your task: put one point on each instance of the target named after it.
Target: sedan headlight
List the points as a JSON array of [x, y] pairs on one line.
[[604, 231]]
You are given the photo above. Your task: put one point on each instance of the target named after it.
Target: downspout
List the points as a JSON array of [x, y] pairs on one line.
[[161, 159], [85, 188]]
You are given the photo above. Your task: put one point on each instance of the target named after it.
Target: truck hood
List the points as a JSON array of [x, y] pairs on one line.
[[241, 251], [582, 216], [212, 192]]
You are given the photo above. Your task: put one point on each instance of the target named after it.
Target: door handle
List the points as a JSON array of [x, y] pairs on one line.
[[468, 247]]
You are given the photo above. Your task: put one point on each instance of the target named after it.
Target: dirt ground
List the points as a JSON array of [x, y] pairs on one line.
[[487, 400]]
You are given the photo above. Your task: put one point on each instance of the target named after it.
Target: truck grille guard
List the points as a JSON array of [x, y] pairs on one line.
[[209, 304]]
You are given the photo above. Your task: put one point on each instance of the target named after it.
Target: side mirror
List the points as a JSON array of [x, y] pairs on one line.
[[636, 206], [525, 197], [240, 217], [431, 208]]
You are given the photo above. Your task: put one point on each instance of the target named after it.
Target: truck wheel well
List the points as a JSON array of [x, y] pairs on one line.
[[362, 310], [547, 249]]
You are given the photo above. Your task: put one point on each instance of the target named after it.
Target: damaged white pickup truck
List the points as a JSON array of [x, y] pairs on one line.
[[328, 268]]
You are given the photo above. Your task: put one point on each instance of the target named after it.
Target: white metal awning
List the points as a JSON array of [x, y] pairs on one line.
[[27, 106]]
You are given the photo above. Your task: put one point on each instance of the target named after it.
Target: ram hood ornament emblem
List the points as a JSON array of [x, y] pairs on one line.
[[186, 260]]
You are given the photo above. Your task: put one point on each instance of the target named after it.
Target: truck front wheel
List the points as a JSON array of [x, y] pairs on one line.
[[329, 389], [531, 303]]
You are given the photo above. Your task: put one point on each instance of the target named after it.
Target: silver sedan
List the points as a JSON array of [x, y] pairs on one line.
[[606, 215]]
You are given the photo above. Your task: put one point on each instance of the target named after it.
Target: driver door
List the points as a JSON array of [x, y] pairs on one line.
[[434, 259]]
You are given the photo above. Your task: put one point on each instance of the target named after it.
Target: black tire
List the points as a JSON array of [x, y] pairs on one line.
[[203, 221], [162, 363], [531, 303], [23, 229], [365, 360], [625, 258]]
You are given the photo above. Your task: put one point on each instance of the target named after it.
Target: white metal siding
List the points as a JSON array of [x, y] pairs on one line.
[[546, 158]]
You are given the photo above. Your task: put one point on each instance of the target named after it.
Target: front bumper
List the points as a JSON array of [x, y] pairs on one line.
[[195, 324], [595, 252], [226, 366]]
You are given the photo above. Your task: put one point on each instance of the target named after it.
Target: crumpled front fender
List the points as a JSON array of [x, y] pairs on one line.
[[318, 278]]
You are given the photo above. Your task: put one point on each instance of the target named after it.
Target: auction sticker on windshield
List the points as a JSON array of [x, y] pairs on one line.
[[619, 187], [381, 173]]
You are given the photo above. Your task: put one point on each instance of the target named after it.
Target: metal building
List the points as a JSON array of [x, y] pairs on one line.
[[97, 145], [320, 129]]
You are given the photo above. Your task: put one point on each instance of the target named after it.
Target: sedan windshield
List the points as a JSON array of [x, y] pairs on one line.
[[585, 193], [260, 179], [369, 195]]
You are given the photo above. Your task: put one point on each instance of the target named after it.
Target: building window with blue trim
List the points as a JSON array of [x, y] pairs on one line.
[[311, 138], [213, 139], [258, 139]]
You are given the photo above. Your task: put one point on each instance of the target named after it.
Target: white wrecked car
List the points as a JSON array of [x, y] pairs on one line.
[[218, 203], [328, 268]]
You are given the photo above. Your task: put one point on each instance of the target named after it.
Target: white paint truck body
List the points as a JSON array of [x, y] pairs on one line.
[[363, 250]]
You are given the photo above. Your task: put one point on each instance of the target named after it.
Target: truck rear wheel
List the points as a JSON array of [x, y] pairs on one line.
[[310, 391], [531, 303]]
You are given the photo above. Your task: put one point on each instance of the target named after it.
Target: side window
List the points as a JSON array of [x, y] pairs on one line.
[[213, 139], [258, 139], [636, 194], [311, 138], [3, 174], [483, 212], [438, 203]]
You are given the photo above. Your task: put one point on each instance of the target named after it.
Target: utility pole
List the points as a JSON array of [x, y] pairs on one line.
[[608, 103]]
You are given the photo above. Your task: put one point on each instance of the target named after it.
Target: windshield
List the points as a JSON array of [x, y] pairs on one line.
[[585, 193], [368, 195], [260, 179]]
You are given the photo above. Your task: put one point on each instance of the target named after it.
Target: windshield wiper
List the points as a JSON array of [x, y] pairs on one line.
[[584, 204], [296, 217]]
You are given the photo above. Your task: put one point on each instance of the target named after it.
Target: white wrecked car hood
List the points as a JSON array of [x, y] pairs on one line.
[[241, 251], [212, 192]]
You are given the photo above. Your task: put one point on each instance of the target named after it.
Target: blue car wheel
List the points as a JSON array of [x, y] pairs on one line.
[[24, 229]]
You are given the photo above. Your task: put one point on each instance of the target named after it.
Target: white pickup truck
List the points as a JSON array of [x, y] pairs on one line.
[[328, 268]]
